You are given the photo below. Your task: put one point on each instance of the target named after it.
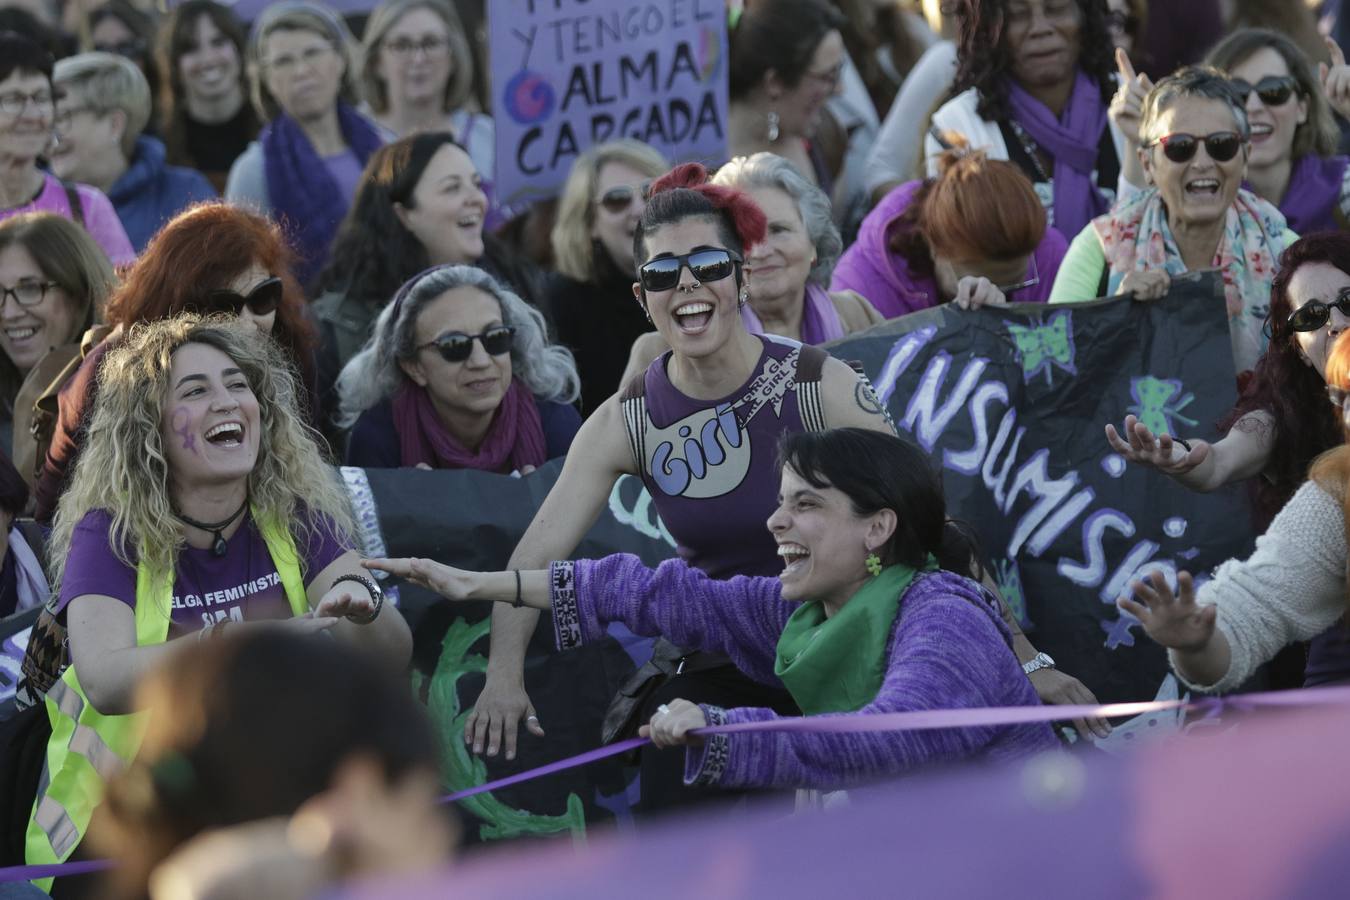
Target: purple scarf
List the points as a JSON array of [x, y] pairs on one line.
[[1072, 141], [1314, 193], [304, 196], [820, 320], [514, 440]]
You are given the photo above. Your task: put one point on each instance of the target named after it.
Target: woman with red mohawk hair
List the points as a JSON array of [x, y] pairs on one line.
[[701, 428]]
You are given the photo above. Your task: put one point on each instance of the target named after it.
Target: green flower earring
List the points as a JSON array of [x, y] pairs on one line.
[[873, 563]]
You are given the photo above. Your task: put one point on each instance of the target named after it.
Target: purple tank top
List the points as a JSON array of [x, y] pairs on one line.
[[709, 464]]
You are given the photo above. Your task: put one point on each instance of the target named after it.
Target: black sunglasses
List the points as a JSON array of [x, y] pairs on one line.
[[1314, 314], [261, 301], [712, 264], [1274, 90], [618, 198], [457, 346], [1180, 147]]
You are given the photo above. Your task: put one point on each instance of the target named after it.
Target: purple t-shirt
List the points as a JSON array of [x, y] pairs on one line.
[[242, 585], [346, 171]]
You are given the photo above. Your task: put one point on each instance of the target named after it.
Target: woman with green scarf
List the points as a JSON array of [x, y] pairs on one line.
[[873, 613]]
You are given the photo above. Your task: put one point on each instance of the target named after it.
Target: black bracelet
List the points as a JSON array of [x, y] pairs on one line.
[[1182, 443], [517, 602], [376, 596]]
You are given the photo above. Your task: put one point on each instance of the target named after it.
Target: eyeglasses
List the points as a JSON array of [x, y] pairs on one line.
[[430, 45], [26, 293], [261, 301], [13, 104], [1273, 90], [1314, 314], [620, 197], [457, 347], [65, 116], [1034, 280], [829, 78], [712, 264], [286, 63], [1180, 147]]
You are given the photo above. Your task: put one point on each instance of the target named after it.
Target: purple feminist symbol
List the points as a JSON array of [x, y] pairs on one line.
[[180, 426]]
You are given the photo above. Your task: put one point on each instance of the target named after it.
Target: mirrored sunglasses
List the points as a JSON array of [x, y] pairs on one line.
[[663, 273], [1314, 314]]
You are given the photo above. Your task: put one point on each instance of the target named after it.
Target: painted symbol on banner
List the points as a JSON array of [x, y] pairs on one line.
[[528, 97], [1158, 403], [1044, 345], [1009, 580], [1118, 631]]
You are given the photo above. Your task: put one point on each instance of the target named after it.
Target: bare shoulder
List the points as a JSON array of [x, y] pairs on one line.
[[849, 400], [602, 443], [645, 349]]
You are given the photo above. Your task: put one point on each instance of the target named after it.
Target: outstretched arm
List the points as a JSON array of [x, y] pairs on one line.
[[1242, 453]]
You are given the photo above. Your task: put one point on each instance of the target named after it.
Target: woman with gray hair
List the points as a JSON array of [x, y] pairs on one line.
[[787, 272], [459, 374], [1194, 137], [303, 169]]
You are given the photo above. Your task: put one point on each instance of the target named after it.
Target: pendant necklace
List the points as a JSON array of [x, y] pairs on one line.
[[218, 545]]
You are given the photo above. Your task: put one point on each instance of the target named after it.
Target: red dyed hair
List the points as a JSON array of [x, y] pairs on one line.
[[205, 248], [976, 208], [743, 214]]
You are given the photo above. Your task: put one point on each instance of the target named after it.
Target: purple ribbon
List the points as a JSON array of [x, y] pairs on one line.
[[917, 720]]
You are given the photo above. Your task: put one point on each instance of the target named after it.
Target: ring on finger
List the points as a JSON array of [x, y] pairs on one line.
[[663, 710]]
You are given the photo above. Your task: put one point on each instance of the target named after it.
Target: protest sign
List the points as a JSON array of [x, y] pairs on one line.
[[567, 74], [1011, 402]]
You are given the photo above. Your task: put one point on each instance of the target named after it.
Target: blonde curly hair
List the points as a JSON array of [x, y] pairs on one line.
[[123, 468]]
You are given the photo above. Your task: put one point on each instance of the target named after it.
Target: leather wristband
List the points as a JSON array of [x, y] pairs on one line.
[[376, 595]]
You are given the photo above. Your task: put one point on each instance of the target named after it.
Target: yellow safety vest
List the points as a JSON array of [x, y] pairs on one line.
[[86, 747]]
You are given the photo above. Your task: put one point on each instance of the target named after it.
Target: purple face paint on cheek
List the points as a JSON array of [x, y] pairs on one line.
[[178, 423]]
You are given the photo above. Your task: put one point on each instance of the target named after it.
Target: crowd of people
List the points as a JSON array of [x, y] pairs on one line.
[[236, 254]]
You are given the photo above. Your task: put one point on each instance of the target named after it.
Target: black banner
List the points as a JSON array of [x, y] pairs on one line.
[[1011, 403]]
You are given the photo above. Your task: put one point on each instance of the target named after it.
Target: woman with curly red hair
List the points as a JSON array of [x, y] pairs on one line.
[[701, 428], [1282, 420], [212, 258]]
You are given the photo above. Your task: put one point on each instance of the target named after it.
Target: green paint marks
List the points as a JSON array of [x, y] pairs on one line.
[[1159, 401], [1044, 345], [460, 768]]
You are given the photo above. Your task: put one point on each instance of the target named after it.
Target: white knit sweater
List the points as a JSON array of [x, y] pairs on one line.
[[1292, 587]]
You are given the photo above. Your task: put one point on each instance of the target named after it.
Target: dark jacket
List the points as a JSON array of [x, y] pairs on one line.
[[151, 192]]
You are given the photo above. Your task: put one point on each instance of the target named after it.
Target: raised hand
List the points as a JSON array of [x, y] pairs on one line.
[[1139, 445], [1336, 79], [672, 723], [1174, 621], [972, 292], [1127, 105]]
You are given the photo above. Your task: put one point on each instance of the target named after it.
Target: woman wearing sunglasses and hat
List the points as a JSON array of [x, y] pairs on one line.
[[1194, 215], [212, 258], [459, 374]]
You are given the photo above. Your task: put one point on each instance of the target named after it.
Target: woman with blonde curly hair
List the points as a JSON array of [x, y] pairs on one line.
[[200, 507]]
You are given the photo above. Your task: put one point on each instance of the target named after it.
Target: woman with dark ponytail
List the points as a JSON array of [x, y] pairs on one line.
[[881, 616]]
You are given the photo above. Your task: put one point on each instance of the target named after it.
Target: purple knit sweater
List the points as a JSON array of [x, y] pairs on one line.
[[949, 649]]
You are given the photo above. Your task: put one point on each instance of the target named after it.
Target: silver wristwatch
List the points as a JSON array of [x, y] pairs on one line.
[[1038, 662]]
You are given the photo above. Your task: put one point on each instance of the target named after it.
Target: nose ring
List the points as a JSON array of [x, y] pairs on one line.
[[686, 289]]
